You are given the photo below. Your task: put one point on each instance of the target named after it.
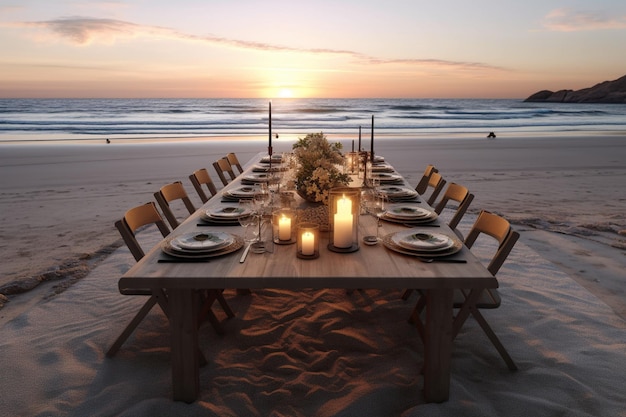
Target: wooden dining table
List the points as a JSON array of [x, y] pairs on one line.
[[368, 267]]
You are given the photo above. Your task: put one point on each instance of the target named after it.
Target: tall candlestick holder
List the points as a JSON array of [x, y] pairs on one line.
[[364, 163], [343, 211]]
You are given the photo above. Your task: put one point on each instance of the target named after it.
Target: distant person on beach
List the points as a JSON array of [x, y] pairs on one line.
[[491, 135]]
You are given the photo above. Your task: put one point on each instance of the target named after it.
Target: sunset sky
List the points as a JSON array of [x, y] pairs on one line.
[[322, 48]]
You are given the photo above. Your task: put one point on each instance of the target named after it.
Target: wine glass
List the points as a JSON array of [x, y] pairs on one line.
[[248, 219], [262, 197]]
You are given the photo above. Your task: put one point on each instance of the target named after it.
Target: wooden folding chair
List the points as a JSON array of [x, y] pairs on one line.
[[134, 219], [222, 166], [436, 182], [234, 162], [172, 192], [462, 197], [422, 185], [469, 302], [199, 178]]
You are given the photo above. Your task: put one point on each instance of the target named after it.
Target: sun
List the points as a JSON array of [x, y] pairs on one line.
[[285, 93]]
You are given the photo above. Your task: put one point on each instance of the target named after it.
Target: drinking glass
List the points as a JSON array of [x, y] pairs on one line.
[[262, 198], [250, 233], [375, 205], [377, 208]]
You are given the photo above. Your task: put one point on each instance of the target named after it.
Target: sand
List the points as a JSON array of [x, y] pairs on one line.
[[317, 352]]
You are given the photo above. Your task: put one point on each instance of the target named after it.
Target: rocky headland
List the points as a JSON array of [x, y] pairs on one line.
[[604, 92]]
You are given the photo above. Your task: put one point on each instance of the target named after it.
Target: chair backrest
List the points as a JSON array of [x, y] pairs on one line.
[[462, 196], [202, 177], [221, 166], [436, 182], [135, 218], [422, 185], [498, 228], [234, 161], [169, 193]]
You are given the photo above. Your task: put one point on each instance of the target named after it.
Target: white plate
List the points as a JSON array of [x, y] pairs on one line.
[[245, 192], [407, 212], [422, 241], [260, 177], [394, 191], [266, 168], [201, 241], [386, 177], [227, 212], [275, 159], [235, 245], [390, 244], [382, 168]]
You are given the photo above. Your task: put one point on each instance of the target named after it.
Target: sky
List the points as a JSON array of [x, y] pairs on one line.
[[321, 48]]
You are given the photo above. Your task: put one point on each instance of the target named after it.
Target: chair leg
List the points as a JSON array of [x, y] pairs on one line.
[[215, 323], [224, 304], [494, 339], [417, 310], [415, 318], [206, 312], [406, 294], [141, 314]]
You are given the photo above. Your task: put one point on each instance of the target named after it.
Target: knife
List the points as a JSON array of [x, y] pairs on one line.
[[245, 253], [417, 225]]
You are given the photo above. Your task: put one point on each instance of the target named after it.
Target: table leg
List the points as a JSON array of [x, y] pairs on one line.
[[438, 345], [183, 304]]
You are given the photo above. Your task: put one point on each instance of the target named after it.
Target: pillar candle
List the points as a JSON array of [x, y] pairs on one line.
[[308, 244], [343, 223], [343, 230], [344, 205], [284, 228]]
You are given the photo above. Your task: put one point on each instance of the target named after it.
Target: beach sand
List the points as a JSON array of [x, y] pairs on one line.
[[317, 352]]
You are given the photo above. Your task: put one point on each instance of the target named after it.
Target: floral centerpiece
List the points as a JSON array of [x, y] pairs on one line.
[[318, 170]]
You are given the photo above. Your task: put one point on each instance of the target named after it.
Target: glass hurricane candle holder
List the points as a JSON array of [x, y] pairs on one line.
[[308, 237], [352, 162], [343, 211], [284, 224]]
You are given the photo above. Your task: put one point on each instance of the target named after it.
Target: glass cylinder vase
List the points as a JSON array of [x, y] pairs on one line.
[[284, 224], [308, 241], [343, 219]]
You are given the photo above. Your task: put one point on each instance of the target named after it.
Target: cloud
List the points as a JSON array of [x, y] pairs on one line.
[[568, 20], [84, 31]]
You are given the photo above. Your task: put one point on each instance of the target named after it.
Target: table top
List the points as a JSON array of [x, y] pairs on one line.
[[369, 267]]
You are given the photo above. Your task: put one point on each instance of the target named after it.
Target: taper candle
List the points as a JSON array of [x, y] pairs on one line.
[[372, 144]]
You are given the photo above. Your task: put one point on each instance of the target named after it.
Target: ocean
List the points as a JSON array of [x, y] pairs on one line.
[[37, 120]]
